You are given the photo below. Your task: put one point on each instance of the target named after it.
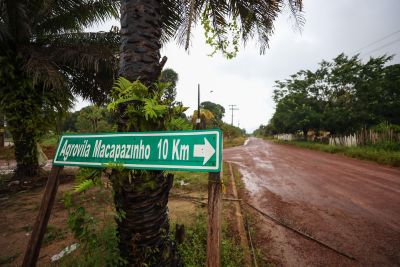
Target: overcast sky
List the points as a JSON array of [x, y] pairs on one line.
[[331, 27]]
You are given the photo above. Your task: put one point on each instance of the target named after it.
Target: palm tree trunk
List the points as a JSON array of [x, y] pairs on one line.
[[144, 230], [23, 117], [24, 138], [140, 40]]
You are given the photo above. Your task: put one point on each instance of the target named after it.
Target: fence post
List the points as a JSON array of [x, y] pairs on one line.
[[214, 220]]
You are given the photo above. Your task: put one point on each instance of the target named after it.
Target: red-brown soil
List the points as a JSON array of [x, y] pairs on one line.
[[18, 213], [351, 205]]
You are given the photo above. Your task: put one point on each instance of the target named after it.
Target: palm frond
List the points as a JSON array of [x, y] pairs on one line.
[[254, 18], [73, 15], [191, 11], [93, 86], [171, 18], [83, 50], [40, 67], [17, 20], [296, 7], [191, 17], [219, 12], [85, 62], [83, 186]]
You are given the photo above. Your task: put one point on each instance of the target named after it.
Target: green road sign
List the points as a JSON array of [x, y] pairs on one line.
[[177, 150]]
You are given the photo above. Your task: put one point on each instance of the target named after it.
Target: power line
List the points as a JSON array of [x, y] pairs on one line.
[[377, 41], [382, 46]]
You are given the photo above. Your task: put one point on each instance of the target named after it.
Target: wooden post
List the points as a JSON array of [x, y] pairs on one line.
[[39, 229], [2, 132], [214, 220]]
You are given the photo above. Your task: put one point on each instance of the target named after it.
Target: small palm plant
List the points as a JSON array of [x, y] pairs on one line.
[[206, 118]]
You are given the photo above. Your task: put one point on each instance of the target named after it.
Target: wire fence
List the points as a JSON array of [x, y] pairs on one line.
[[363, 137]]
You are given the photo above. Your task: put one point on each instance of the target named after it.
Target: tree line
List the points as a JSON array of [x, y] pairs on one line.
[[342, 96], [97, 118]]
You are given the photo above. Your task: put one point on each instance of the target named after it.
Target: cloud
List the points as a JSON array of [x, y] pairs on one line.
[[331, 27]]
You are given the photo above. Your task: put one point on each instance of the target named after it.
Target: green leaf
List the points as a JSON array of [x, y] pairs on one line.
[[83, 186], [152, 109]]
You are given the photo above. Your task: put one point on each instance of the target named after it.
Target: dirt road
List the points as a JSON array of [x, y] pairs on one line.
[[351, 205]]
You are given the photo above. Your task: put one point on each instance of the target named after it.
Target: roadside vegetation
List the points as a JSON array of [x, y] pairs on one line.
[[84, 213], [46, 58], [236, 141], [341, 97], [346, 106], [91, 221], [384, 153]]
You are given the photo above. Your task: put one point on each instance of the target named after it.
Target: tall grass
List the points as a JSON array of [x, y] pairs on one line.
[[193, 249], [235, 141]]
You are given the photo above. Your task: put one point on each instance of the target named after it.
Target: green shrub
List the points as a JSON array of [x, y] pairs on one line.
[[387, 145], [49, 140], [97, 236], [193, 249], [53, 233]]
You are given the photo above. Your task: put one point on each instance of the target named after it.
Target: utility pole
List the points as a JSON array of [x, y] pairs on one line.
[[232, 108], [214, 207], [198, 120]]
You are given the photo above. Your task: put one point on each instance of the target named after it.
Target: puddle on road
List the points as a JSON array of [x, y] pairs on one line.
[[263, 164], [254, 183], [249, 180]]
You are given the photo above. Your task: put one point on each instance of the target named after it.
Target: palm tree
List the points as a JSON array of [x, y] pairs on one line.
[[207, 118], [145, 26], [44, 58]]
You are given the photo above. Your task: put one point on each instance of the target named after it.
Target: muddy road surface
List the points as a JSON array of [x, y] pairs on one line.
[[351, 205]]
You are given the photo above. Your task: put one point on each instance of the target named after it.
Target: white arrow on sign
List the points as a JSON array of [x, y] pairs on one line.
[[206, 151]]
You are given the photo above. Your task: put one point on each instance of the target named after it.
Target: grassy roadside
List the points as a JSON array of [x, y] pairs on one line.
[[231, 142], [193, 249], [384, 154], [48, 144], [251, 220], [192, 213]]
